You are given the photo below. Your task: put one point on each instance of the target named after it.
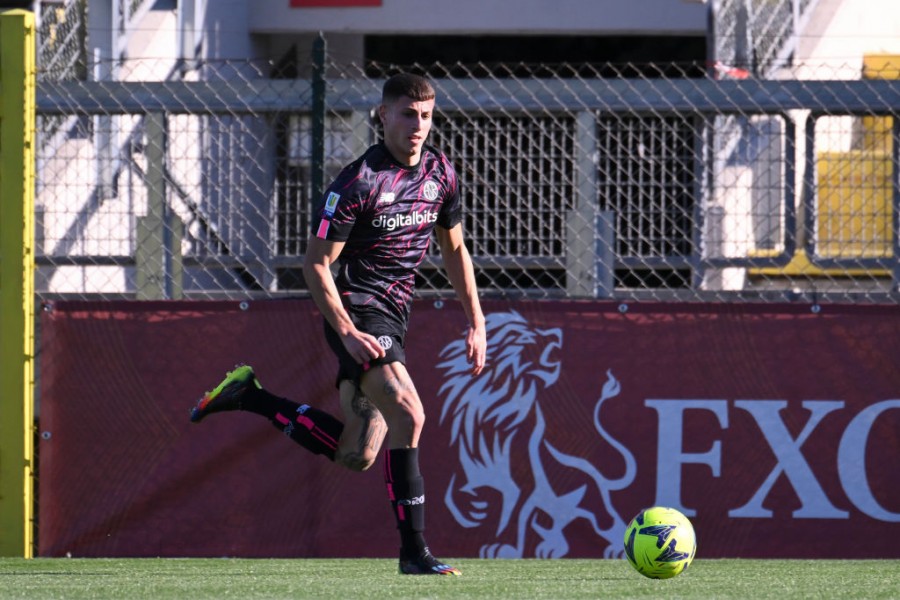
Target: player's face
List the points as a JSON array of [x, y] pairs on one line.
[[406, 126]]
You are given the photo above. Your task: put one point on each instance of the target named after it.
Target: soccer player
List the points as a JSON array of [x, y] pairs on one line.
[[374, 224]]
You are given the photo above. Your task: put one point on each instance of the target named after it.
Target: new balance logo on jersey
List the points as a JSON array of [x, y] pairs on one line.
[[392, 222]]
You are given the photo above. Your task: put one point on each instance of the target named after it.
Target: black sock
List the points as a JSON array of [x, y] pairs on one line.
[[315, 430], [406, 490]]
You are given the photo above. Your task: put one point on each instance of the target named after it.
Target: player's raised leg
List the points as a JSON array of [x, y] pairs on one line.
[[315, 430], [392, 391]]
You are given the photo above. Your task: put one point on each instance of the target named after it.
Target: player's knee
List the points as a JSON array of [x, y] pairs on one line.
[[410, 419], [419, 420]]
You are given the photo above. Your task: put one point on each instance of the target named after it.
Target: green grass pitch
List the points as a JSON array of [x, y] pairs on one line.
[[197, 579]]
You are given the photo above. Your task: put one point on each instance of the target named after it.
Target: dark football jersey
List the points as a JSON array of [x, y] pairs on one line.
[[385, 212]]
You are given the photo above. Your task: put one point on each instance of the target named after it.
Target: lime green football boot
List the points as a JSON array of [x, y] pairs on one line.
[[228, 395]]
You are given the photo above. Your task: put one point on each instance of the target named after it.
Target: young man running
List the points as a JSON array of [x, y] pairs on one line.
[[374, 224]]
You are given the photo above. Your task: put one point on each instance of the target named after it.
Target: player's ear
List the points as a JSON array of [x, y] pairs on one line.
[[382, 109]]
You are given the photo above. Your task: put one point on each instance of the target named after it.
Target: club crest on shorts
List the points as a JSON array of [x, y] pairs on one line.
[[385, 341]]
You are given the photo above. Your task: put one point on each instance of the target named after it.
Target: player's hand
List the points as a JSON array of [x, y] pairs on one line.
[[362, 346], [476, 348]]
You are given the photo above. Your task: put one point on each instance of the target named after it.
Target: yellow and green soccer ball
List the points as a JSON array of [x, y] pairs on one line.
[[660, 542]]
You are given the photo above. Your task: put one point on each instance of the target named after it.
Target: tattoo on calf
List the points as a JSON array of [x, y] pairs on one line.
[[375, 430], [370, 437], [362, 407]]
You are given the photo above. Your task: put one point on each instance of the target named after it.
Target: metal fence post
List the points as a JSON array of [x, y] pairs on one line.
[[17, 174], [158, 251], [895, 202], [806, 232], [605, 278], [104, 40], [580, 221], [317, 170]]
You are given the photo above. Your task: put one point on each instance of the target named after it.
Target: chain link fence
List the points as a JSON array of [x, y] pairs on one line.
[[756, 36], [580, 181]]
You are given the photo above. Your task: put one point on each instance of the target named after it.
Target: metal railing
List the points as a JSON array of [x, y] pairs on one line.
[[213, 191]]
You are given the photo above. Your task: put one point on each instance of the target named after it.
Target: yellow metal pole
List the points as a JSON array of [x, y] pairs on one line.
[[17, 135]]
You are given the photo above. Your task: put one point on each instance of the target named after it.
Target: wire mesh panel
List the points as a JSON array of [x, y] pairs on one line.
[[347, 135], [646, 177], [519, 181], [756, 36], [853, 212], [723, 189]]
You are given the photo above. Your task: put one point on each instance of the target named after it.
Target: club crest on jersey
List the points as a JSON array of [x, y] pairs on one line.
[[430, 190], [386, 198], [385, 341], [331, 203]]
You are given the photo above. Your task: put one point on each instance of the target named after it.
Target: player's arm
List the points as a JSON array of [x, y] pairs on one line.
[[461, 274], [320, 256]]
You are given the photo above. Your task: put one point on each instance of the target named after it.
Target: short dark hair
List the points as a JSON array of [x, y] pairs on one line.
[[406, 84]]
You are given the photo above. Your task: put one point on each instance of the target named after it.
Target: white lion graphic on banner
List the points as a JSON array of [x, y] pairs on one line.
[[498, 415]]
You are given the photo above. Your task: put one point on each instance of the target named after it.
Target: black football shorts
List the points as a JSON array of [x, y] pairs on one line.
[[390, 336]]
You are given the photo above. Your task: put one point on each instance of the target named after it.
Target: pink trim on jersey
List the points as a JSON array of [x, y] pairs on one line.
[[323, 229], [386, 292], [282, 419]]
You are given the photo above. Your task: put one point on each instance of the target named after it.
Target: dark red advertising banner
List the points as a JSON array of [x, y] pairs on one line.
[[775, 428]]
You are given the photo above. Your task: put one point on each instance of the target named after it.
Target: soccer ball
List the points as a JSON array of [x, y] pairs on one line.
[[660, 542]]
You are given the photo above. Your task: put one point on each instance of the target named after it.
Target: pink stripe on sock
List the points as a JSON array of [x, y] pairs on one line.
[[282, 419], [324, 438], [387, 466], [316, 432]]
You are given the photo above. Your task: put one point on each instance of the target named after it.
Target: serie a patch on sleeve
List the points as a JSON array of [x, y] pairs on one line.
[[331, 203]]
